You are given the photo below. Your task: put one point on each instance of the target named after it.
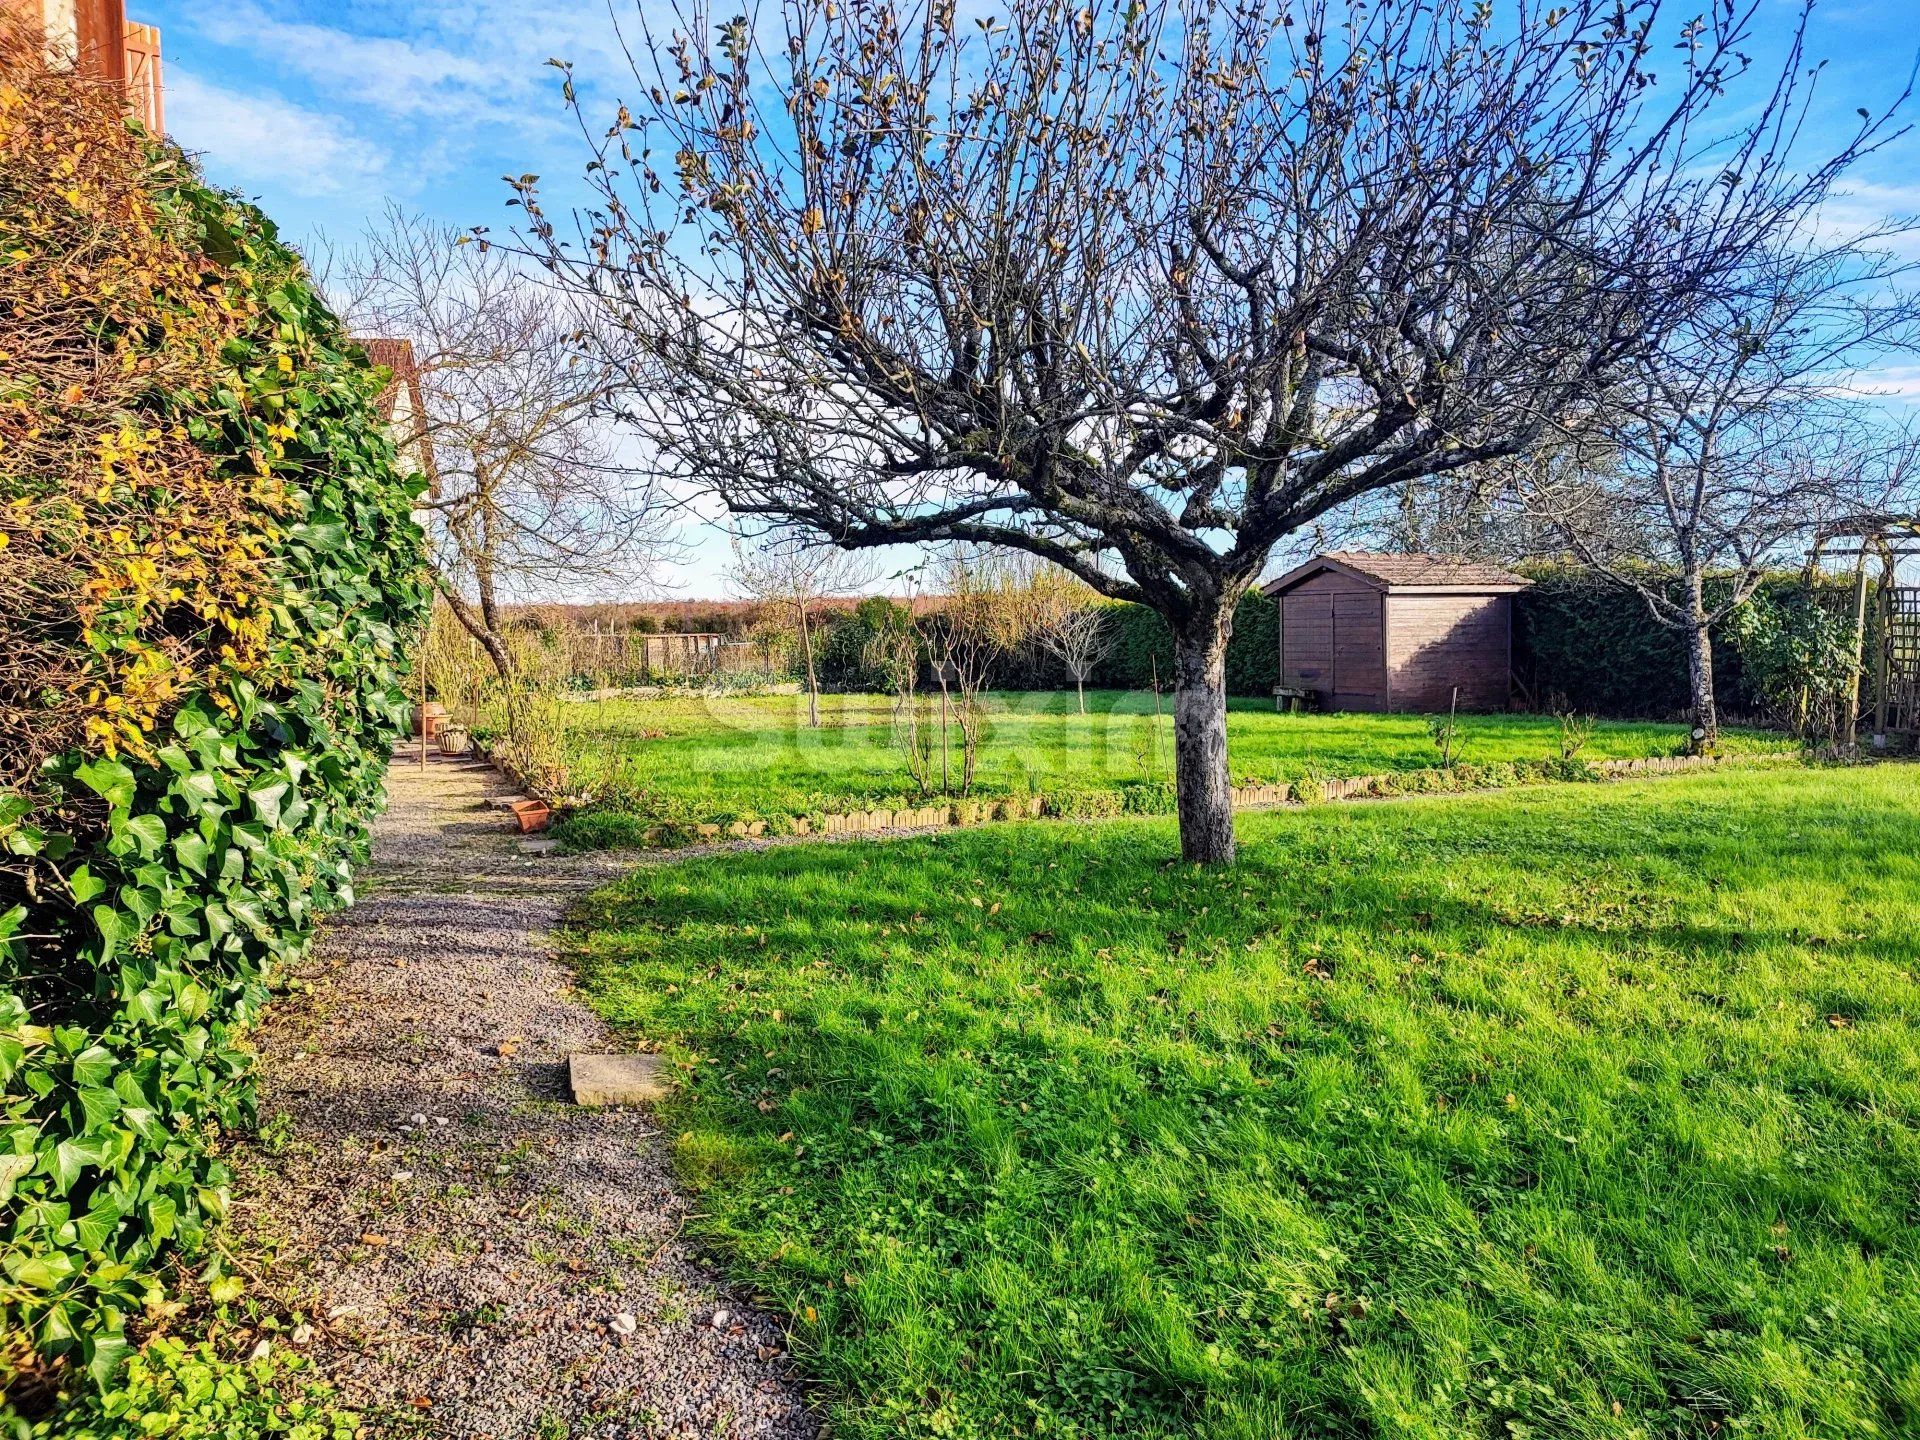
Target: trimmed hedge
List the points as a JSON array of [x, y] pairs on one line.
[[161, 872], [1579, 640], [1143, 649], [1583, 642], [840, 643]]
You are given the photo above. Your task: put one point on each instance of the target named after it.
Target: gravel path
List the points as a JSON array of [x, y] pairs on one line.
[[478, 1257]]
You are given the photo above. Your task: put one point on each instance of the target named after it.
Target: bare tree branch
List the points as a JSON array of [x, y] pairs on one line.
[[1142, 289], [786, 572], [528, 496], [1741, 435]]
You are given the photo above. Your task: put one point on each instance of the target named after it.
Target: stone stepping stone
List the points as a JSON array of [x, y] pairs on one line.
[[601, 1080]]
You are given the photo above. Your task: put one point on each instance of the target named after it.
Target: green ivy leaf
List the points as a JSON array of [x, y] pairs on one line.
[[13, 1168], [93, 1229], [113, 926], [199, 789], [321, 532], [266, 801], [98, 1106], [85, 885], [108, 779], [149, 832], [161, 1214], [191, 850], [93, 1066], [72, 1157], [109, 1352], [41, 1272]]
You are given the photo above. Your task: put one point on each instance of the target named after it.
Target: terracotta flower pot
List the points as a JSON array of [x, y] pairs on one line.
[[435, 715], [533, 815], [455, 740]]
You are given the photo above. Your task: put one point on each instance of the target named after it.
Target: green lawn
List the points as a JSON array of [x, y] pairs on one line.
[[705, 759], [1568, 1111]]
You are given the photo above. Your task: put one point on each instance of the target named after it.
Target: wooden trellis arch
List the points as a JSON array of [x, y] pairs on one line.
[[1888, 615]]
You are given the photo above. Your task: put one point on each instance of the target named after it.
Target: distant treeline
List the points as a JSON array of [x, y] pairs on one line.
[[735, 619]]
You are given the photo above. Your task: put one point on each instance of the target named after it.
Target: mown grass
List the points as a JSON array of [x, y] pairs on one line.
[[1579, 1111], [725, 757]]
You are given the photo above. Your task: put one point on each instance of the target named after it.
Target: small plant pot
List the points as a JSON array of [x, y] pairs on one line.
[[455, 740], [533, 815]]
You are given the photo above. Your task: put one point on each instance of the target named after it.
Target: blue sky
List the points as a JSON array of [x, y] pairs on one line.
[[325, 109]]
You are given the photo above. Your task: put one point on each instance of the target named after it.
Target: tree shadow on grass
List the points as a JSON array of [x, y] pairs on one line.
[[1547, 1073]]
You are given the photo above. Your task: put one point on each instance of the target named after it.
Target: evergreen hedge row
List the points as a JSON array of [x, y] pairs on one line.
[[1583, 642], [159, 872], [1143, 649]]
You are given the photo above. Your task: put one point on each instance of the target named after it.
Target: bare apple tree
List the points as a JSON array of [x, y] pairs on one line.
[[982, 616], [1739, 436], [898, 651], [530, 497], [786, 572], [1143, 288], [1069, 621], [1482, 512]]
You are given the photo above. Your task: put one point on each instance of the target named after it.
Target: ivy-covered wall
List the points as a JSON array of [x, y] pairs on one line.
[[210, 556]]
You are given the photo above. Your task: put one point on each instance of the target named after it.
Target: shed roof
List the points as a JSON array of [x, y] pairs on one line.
[[1403, 572]]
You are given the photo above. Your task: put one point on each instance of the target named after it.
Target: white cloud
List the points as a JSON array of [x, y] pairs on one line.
[[255, 139], [1859, 207], [1897, 383], [396, 77], [479, 63]]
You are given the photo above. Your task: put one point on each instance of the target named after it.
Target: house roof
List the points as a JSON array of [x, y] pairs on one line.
[[397, 356], [1406, 572]]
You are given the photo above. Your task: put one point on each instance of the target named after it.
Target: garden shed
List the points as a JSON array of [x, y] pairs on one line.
[[1396, 631]]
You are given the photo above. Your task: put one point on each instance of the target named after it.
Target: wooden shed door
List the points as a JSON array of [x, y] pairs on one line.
[[1359, 654], [1306, 641]]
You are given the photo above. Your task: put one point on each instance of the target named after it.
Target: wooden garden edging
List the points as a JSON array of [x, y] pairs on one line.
[[1245, 797], [954, 813]]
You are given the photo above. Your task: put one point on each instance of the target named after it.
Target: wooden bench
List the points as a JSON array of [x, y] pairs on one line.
[[1289, 700]]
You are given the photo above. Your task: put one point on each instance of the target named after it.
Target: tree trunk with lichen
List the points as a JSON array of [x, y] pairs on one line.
[[1205, 790], [1703, 715]]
